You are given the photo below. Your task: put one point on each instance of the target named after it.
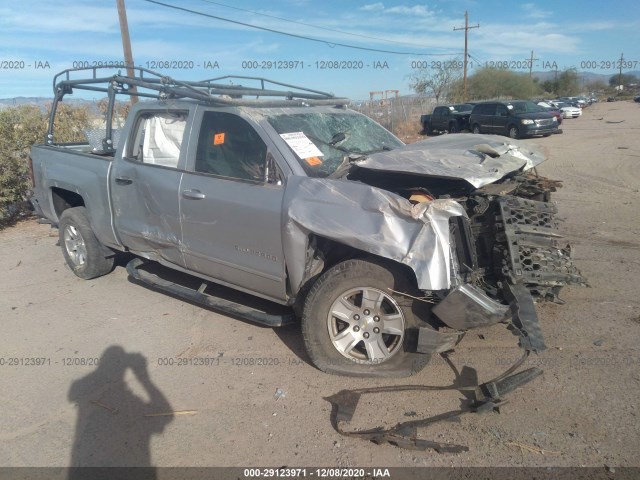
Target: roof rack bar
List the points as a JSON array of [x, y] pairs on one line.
[[325, 94], [204, 90]]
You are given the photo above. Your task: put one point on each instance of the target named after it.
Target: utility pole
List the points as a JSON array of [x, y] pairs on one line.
[[531, 60], [126, 45], [466, 42], [620, 74]]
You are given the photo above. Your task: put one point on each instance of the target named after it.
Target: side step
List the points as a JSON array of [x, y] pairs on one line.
[[198, 296]]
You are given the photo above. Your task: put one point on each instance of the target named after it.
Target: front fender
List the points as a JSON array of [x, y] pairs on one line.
[[371, 220]]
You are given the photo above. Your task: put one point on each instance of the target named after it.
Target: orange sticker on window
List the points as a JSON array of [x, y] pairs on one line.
[[218, 139], [313, 161]]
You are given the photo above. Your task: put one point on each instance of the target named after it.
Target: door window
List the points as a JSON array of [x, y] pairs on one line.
[[158, 138], [502, 111], [230, 147]]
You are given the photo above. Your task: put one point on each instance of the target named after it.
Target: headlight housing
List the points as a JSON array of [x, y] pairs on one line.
[[526, 121]]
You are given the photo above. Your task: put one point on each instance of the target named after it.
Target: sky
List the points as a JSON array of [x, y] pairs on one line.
[[39, 38]]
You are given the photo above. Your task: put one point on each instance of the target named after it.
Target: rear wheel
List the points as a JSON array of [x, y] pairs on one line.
[[81, 249], [514, 132], [355, 324], [475, 128]]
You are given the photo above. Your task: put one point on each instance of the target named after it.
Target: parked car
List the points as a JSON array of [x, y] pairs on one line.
[[386, 253], [447, 118], [556, 112], [574, 101], [568, 111], [516, 119]]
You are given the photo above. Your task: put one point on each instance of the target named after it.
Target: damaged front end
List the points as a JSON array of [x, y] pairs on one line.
[[467, 213], [506, 251], [509, 254]]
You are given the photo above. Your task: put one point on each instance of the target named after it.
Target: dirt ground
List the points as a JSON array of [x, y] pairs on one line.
[[158, 354]]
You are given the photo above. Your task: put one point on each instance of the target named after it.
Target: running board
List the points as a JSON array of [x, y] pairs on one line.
[[198, 296]]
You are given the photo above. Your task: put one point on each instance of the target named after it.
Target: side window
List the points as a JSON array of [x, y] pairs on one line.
[[230, 147], [489, 109], [158, 138], [501, 111], [481, 109]]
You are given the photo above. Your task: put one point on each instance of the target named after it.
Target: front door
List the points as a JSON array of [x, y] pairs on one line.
[[145, 184], [231, 216]]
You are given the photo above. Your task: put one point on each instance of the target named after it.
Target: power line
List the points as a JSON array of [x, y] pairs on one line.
[[479, 61], [314, 26], [311, 39]]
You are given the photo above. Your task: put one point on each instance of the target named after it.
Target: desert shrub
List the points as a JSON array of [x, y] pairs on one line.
[[20, 128]]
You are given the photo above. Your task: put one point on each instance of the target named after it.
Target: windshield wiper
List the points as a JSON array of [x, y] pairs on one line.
[[384, 148]]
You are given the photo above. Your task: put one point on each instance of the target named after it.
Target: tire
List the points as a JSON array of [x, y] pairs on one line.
[[344, 335], [81, 249], [513, 132], [475, 129], [427, 129], [453, 128]]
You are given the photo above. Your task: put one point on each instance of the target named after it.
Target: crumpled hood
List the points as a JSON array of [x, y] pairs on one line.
[[477, 159]]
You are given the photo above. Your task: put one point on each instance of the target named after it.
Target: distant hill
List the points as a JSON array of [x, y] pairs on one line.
[[583, 77], [44, 102]]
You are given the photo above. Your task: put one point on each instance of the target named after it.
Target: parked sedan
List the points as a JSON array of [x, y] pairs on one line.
[[568, 111], [553, 110]]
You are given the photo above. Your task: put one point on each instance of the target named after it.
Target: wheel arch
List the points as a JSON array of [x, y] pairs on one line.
[[62, 199], [324, 253]]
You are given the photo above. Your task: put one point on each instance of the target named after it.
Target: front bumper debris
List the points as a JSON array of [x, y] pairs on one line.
[[536, 254], [482, 398], [531, 261]]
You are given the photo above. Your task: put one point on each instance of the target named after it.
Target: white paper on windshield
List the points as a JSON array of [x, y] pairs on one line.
[[301, 145]]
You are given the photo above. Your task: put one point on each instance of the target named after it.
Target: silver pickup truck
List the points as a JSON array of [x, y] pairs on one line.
[[386, 253]]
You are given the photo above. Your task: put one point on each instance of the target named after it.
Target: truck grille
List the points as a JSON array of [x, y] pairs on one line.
[[535, 253]]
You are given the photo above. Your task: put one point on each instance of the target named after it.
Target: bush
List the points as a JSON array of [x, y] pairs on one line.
[[20, 128]]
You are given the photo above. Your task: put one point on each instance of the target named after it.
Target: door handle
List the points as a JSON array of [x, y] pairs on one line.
[[123, 181], [193, 194]]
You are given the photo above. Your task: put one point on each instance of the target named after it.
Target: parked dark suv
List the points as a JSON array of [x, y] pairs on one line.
[[516, 119]]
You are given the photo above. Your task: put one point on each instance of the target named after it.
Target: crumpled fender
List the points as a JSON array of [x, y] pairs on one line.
[[372, 220]]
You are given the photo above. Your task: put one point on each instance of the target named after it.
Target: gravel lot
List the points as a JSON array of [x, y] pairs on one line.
[[583, 411]]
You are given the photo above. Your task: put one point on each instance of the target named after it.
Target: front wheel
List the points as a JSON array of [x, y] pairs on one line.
[[513, 132], [355, 323], [81, 249], [453, 128], [475, 129]]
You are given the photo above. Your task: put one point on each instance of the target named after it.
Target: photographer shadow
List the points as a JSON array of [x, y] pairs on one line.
[[113, 427]]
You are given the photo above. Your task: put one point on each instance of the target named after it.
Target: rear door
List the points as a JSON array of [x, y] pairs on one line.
[[231, 216], [500, 120], [144, 185], [483, 116], [438, 119]]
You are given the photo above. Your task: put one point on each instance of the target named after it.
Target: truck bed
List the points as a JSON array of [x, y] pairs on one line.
[[73, 168]]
